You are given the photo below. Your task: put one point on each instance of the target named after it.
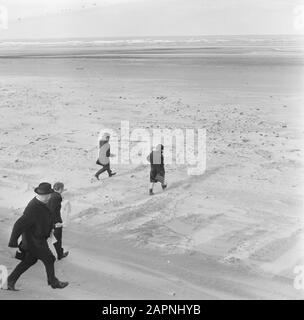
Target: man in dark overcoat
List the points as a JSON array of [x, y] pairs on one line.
[[35, 227]]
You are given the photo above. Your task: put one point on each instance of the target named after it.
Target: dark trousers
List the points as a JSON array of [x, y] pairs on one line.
[[105, 167], [58, 244], [31, 257]]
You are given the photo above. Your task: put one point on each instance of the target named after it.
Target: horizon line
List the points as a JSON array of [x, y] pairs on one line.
[[153, 36]]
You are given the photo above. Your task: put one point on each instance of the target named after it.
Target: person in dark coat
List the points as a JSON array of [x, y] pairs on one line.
[[35, 226], [104, 157], [157, 173], [54, 205]]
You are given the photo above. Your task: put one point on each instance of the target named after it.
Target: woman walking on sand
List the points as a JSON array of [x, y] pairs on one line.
[[104, 156], [157, 173]]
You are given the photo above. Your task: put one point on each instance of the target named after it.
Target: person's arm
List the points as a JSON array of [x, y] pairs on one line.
[[21, 225]]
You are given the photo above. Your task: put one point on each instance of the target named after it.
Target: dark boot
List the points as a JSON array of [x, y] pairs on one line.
[[151, 193], [112, 174], [64, 255], [59, 285], [11, 286], [164, 186]]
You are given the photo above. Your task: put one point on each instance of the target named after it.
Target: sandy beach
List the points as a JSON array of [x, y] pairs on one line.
[[235, 232]]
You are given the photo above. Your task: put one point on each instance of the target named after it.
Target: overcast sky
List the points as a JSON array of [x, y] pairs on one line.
[[123, 18]]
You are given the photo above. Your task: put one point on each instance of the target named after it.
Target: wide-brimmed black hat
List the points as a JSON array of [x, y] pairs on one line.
[[44, 188]]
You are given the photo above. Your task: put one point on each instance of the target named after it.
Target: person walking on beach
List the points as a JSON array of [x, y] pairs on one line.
[[104, 156], [157, 173], [54, 205], [35, 226]]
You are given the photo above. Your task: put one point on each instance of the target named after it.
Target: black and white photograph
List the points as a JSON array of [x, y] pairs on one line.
[[151, 150]]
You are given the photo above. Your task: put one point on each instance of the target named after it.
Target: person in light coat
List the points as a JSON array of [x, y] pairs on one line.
[[104, 156]]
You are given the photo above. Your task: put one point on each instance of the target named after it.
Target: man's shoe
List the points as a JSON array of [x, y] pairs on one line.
[[151, 193], [164, 186], [64, 255], [59, 285], [112, 174], [11, 286], [96, 176]]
